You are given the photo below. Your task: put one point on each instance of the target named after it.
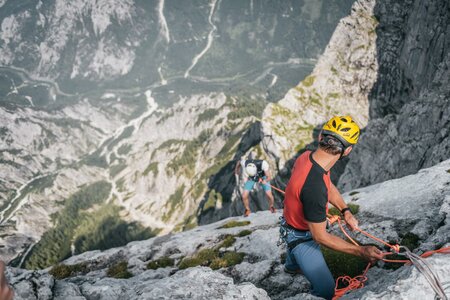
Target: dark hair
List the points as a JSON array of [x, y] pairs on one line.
[[331, 145]]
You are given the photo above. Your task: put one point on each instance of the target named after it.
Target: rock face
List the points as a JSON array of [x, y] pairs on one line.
[[388, 210], [410, 101], [339, 84]]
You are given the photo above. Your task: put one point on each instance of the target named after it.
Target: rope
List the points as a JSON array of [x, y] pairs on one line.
[[354, 283], [430, 276], [422, 266], [357, 282], [277, 189]]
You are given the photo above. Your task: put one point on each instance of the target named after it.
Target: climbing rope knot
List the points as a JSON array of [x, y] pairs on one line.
[[396, 248]]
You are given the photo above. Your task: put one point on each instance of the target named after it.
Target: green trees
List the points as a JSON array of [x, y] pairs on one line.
[[55, 244]]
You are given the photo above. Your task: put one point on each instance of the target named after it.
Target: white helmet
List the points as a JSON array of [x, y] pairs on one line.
[[250, 169]]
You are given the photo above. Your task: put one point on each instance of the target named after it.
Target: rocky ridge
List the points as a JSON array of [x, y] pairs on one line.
[[387, 210], [410, 101], [143, 156], [339, 84]]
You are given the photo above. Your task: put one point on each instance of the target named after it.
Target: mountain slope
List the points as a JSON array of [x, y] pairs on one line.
[[388, 210], [153, 100]]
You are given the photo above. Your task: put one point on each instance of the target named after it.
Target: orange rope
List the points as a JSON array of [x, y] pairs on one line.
[[396, 248], [354, 283], [277, 189], [357, 282]]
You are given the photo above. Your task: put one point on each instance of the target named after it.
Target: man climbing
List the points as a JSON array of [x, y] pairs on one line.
[[255, 170], [306, 205]]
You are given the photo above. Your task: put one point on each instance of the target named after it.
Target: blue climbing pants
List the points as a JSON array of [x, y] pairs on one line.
[[308, 258]]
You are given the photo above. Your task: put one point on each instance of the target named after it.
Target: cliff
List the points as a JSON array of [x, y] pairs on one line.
[[239, 258], [410, 100]]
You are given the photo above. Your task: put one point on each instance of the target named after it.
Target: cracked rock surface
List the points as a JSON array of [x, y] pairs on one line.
[[388, 210]]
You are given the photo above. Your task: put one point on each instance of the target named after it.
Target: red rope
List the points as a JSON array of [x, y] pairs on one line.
[[357, 282], [275, 188]]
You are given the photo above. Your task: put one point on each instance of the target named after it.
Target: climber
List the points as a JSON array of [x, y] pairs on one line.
[[6, 293], [304, 223], [255, 170]]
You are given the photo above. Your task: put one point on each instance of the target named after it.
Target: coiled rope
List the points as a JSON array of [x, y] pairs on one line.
[[357, 282]]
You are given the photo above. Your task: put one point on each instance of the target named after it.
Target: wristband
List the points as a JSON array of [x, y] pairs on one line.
[[344, 210]]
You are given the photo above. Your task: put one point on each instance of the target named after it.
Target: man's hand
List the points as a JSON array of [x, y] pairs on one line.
[[351, 221], [371, 253], [6, 293]]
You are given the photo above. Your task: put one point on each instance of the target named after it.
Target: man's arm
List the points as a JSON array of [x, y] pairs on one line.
[[322, 237], [338, 202], [336, 198]]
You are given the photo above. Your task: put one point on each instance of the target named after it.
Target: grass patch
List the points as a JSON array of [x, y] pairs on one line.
[[244, 233], [341, 264], [228, 241], [162, 262], [62, 271], [448, 171], [228, 259], [119, 270], [232, 224], [353, 193], [354, 209], [309, 81], [334, 71], [202, 258], [213, 259]]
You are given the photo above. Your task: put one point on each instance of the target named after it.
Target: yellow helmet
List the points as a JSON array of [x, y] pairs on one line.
[[342, 128]]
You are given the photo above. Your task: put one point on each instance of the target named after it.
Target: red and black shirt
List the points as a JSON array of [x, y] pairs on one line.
[[306, 198]]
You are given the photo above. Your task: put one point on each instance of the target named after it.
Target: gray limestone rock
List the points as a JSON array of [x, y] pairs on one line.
[[416, 203], [410, 101]]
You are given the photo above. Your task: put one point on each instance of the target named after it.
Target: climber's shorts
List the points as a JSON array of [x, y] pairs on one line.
[[249, 184]]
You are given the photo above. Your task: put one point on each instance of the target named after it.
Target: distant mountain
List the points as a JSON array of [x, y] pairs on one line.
[[192, 46], [123, 116]]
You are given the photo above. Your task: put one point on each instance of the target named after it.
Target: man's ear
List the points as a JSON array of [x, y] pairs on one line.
[[348, 150]]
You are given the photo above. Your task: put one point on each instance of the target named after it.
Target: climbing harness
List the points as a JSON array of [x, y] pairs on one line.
[[357, 282], [285, 229]]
